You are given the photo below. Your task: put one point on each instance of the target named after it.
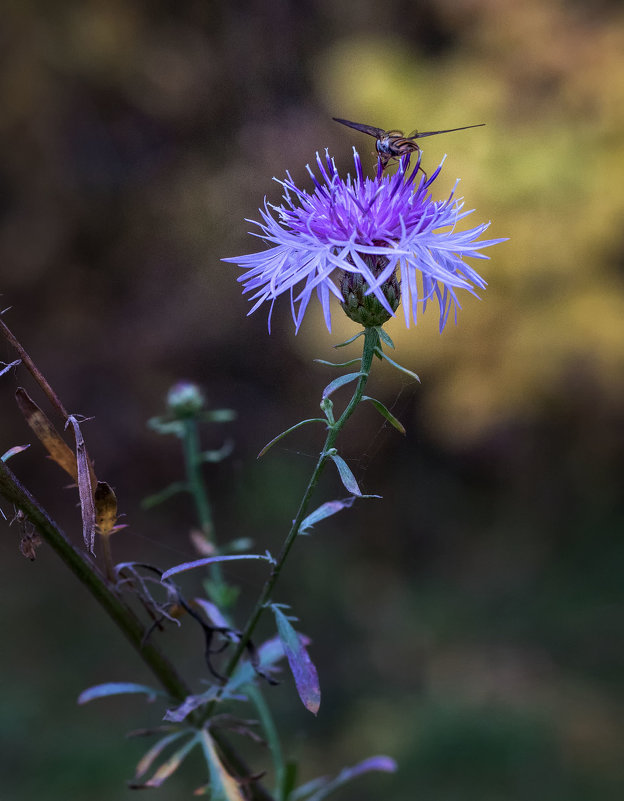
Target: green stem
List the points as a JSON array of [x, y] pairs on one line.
[[192, 459], [371, 341], [197, 488]]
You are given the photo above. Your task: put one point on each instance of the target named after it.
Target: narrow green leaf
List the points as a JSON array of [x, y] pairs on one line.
[[163, 495], [118, 688], [346, 476], [337, 364], [271, 736], [385, 337], [301, 666], [223, 786], [288, 431], [398, 366], [218, 416], [350, 340], [385, 413], [289, 781], [339, 382], [213, 457]]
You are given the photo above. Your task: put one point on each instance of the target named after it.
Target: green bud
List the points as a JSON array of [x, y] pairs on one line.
[[366, 309], [185, 399]]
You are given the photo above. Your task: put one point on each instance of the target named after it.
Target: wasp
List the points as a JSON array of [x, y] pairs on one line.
[[392, 145]]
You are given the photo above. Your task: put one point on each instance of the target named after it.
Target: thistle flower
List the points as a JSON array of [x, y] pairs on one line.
[[352, 237]]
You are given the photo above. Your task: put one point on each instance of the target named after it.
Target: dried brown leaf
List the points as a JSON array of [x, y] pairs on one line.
[[46, 433]]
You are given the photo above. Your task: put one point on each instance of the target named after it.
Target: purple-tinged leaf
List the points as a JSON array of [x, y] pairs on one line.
[[223, 786], [190, 704], [346, 476], [319, 789], [214, 615], [325, 510], [168, 767], [301, 666], [85, 486], [385, 413], [181, 568], [339, 382], [118, 688], [13, 452], [8, 366]]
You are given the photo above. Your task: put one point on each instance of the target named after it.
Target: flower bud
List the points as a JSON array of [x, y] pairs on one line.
[[366, 309], [185, 399]]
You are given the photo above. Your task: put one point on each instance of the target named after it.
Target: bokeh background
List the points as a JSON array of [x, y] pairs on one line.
[[470, 623]]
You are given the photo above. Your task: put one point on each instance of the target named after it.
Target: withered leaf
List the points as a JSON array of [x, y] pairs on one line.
[[47, 434]]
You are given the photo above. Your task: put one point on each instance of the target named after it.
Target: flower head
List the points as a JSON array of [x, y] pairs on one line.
[[356, 235]]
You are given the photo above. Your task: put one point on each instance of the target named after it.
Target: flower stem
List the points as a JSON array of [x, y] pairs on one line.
[[196, 485], [371, 341], [197, 488]]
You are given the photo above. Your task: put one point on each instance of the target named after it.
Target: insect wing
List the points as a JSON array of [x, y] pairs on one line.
[[416, 135], [368, 129]]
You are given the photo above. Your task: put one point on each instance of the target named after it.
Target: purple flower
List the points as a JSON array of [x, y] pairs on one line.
[[356, 235]]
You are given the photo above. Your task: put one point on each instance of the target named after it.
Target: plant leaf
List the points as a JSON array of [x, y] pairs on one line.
[[208, 560], [325, 510], [163, 495], [301, 666], [339, 382], [350, 340], [385, 337], [169, 766], [13, 452], [385, 413], [223, 786], [8, 366], [346, 476], [118, 688], [269, 653], [146, 761], [85, 485], [288, 431], [379, 763], [190, 704], [338, 364], [46, 433], [380, 352]]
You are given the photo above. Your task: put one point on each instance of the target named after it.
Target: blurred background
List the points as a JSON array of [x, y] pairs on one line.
[[470, 623]]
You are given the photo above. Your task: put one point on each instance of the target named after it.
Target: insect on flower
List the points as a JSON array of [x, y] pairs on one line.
[[392, 145]]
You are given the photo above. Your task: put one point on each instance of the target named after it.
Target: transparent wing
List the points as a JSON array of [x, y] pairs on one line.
[[368, 129], [416, 135]]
